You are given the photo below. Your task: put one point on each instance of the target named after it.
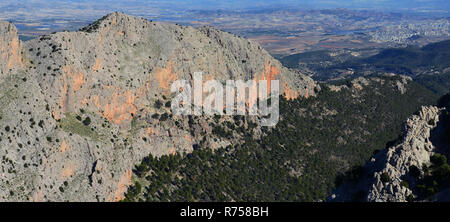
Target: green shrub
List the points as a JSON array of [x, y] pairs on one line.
[[158, 104], [164, 117], [414, 171], [87, 121], [385, 178], [438, 160], [410, 198], [404, 183]]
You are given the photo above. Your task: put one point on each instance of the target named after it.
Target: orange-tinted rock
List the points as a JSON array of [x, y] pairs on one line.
[[165, 76], [290, 94], [270, 73], [119, 107], [67, 171], [10, 48], [38, 196], [14, 58], [71, 81], [97, 65], [63, 147], [124, 182]]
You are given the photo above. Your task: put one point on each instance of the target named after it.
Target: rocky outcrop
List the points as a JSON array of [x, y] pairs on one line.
[[415, 149], [82, 112], [361, 82], [10, 48], [387, 177]]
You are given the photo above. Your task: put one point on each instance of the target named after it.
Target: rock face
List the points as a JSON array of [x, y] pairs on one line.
[[10, 48], [384, 173], [361, 82], [78, 108], [415, 149]]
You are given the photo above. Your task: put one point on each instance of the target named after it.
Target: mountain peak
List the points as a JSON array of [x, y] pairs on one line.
[[112, 19], [6, 26], [10, 47]]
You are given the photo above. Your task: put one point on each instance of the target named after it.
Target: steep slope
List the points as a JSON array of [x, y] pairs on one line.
[[395, 163], [298, 160], [80, 109], [10, 48], [410, 169]]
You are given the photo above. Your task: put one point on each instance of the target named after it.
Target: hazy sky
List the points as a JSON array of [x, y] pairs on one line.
[[396, 4], [433, 6]]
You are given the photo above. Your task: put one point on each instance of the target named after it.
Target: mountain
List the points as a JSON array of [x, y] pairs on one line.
[[86, 116], [80, 109]]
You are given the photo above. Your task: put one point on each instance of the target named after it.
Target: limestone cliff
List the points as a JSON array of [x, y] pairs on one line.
[[78, 108], [384, 176], [10, 48], [415, 149]]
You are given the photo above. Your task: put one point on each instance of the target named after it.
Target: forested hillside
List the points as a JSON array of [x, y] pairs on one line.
[[316, 140]]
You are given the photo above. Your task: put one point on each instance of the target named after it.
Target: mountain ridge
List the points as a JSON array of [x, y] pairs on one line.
[[80, 109], [400, 172]]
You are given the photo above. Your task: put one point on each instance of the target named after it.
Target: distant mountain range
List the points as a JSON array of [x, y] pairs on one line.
[[280, 29], [428, 65]]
